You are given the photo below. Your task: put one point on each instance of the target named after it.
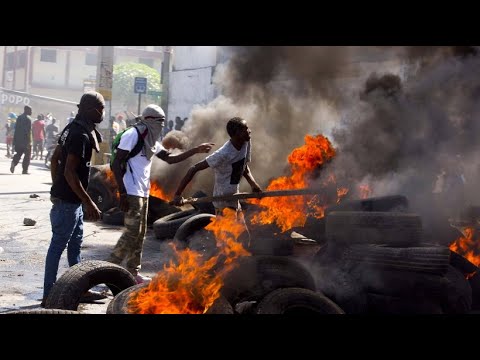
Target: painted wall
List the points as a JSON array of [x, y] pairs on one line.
[[190, 79]]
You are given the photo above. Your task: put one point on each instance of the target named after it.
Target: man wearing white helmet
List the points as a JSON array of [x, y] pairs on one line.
[[132, 175]]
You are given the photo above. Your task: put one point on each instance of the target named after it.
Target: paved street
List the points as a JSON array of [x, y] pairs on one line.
[[23, 248]]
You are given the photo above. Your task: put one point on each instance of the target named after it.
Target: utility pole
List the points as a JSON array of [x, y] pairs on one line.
[[104, 87], [165, 77]]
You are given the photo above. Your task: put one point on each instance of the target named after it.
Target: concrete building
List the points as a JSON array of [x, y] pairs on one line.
[[31, 75]]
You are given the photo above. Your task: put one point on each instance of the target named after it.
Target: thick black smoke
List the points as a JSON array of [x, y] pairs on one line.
[[396, 115]]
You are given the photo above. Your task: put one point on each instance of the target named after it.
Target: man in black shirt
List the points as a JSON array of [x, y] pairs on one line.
[[70, 169], [22, 140]]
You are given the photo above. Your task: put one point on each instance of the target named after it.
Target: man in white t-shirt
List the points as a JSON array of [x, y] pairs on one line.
[[133, 178], [229, 164]]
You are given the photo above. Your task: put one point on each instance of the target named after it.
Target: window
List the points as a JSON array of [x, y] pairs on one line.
[[48, 55], [91, 59], [148, 62], [18, 63]]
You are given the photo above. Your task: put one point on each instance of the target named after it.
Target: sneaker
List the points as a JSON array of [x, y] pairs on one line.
[[25, 173], [142, 279], [12, 168], [91, 296]]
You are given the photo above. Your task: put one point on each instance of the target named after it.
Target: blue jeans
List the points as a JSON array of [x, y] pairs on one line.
[[67, 230]]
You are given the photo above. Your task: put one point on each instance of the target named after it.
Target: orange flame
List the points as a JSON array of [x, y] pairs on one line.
[[157, 191], [191, 284], [110, 180], [467, 246], [291, 211]]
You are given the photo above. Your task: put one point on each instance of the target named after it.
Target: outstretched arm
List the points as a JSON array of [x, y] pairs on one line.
[[172, 159], [248, 175], [202, 165]]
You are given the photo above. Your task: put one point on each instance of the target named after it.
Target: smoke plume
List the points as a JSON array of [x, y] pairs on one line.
[[396, 115]]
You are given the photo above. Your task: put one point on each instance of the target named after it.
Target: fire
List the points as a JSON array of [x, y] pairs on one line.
[[364, 190], [189, 284], [292, 211], [157, 191], [467, 246], [112, 183]]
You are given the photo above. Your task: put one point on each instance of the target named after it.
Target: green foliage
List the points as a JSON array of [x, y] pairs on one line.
[[123, 82]]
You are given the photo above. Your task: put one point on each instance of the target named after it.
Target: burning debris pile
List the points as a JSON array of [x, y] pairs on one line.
[[408, 120]]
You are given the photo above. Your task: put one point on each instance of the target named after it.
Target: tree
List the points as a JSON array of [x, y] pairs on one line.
[[124, 75]]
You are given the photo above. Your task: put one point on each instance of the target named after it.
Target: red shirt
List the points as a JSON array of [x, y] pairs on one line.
[[38, 130]]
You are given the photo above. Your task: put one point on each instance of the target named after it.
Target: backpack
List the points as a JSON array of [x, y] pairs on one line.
[[136, 149]]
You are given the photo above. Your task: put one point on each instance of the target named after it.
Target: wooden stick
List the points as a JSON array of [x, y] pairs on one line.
[[254, 195]]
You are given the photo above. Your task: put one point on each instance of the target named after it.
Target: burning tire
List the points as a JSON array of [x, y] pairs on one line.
[[297, 301], [43, 311], [358, 227], [69, 288], [460, 263], [119, 304], [193, 224], [256, 276], [167, 226]]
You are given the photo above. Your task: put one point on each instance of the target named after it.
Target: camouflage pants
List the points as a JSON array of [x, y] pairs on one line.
[[130, 245]]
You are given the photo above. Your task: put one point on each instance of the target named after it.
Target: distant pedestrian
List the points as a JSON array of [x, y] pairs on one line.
[[70, 170], [9, 130], [22, 140], [38, 133]]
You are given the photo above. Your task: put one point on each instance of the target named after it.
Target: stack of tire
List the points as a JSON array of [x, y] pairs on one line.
[[374, 261]]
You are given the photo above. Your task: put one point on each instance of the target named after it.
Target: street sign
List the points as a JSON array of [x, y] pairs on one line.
[[154, 93], [140, 86]]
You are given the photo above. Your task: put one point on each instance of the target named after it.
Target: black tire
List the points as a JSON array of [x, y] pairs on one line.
[[358, 227], [460, 263], [256, 276], [167, 226], [101, 195], [206, 207], [158, 208], [396, 203], [43, 311], [113, 216], [459, 293], [402, 284], [193, 224], [474, 282], [119, 304], [297, 301], [67, 291], [392, 305], [431, 259], [341, 287], [268, 240]]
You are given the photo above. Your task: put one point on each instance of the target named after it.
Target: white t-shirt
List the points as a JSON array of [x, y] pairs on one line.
[[228, 165], [137, 176]]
